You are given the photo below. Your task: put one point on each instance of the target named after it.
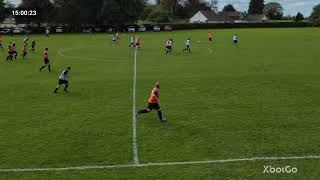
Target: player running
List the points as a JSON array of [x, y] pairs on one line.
[[114, 39], [24, 51], [14, 47], [138, 42], [46, 60], [235, 40], [10, 52], [188, 43], [47, 32], [118, 36], [33, 46], [210, 35], [169, 45], [131, 42], [153, 103], [25, 41], [63, 79]]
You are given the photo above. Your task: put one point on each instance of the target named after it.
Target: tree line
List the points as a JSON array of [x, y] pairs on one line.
[[119, 12]]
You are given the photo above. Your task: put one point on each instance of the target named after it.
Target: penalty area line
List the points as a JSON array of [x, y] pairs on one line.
[[161, 164]]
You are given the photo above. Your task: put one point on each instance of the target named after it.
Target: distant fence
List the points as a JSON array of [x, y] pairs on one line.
[[178, 26], [235, 25]]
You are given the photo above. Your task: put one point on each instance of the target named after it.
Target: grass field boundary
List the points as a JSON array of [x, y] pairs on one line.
[[160, 164], [134, 118]]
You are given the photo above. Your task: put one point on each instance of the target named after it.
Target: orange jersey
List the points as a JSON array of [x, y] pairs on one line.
[[10, 48], [209, 35], [24, 49], [155, 96], [138, 40]]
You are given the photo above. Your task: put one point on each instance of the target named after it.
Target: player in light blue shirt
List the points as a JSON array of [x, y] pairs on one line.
[[188, 44], [63, 79], [235, 40]]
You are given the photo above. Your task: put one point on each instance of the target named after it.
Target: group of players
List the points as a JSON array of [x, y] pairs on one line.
[[12, 49], [13, 54], [153, 102]]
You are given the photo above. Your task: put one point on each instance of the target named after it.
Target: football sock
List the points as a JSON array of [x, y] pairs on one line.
[[143, 111], [42, 67], [160, 115]]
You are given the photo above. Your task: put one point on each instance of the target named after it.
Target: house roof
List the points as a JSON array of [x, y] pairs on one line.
[[230, 15], [212, 16], [256, 17]]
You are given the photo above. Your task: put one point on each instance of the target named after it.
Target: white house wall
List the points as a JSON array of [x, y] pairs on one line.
[[198, 18]]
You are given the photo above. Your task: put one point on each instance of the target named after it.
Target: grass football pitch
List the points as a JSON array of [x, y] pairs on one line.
[[222, 103]]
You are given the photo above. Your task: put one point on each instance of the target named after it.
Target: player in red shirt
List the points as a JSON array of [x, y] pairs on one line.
[[46, 60], [153, 103]]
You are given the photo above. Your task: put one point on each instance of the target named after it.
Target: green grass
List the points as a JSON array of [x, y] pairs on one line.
[[259, 100]]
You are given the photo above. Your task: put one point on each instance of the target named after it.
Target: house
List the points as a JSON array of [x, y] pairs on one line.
[[256, 18], [226, 17], [206, 17], [231, 16], [8, 22]]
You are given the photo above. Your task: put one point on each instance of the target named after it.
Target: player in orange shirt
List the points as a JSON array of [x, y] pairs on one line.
[[210, 35], [24, 51], [10, 52], [137, 42], [153, 103]]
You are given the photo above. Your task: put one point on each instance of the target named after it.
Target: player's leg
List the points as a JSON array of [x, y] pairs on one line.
[[66, 86], [147, 110], [45, 65]]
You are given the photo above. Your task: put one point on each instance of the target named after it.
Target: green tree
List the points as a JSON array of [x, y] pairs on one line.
[[229, 8], [3, 10], [315, 16], [299, 17], [45, 11], [273, 10], [256, 7], [119, 12]]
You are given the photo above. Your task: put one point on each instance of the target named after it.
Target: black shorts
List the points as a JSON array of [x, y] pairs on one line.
[[235, 42], [61, 81], [153, 106], [46, 61], [169, 47], [24, 53], [210, 39]]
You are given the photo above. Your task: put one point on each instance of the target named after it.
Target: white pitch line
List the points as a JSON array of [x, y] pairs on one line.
[[60, 52], [160, 164], [134, 119]]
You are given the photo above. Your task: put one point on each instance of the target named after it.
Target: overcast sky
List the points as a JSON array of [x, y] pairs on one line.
[[291, 7]]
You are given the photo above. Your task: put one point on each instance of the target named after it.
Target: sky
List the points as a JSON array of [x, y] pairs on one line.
[[291, 7]]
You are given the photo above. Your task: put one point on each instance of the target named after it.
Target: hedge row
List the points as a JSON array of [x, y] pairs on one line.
[[186, 26], [235, 25]]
